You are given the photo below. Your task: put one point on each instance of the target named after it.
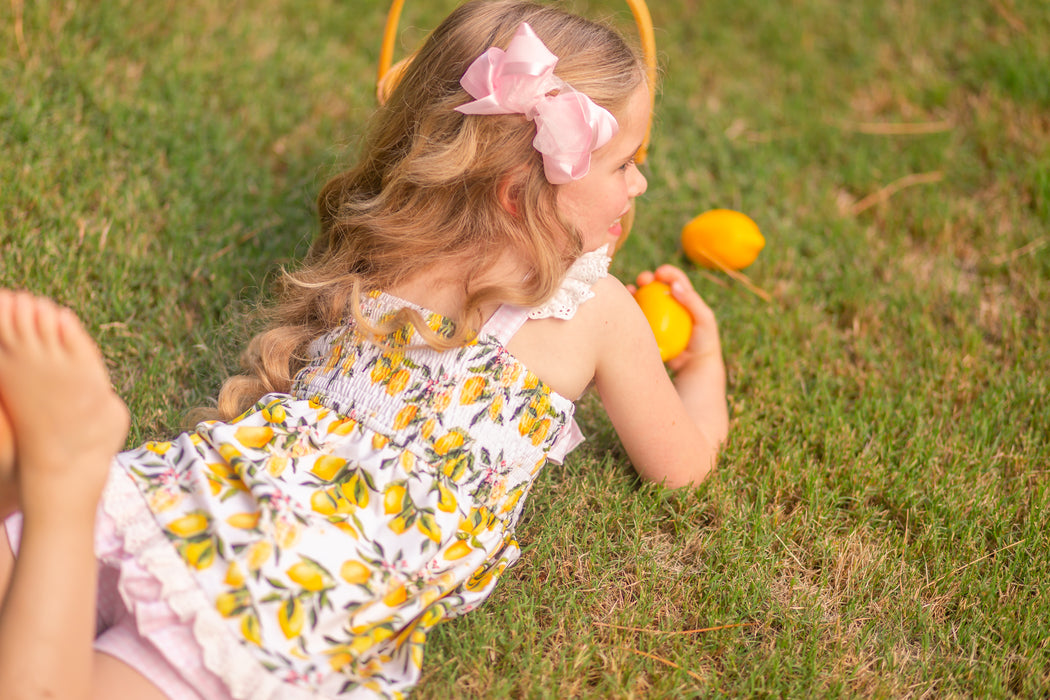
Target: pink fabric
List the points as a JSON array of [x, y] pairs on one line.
[[505, 322], [134, 624], [502, 325], [569, 126]]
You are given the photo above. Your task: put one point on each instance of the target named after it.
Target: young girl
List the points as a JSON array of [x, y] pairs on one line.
[[366, 474]]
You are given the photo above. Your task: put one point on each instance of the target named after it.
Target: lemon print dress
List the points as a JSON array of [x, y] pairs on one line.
[[313, 542]]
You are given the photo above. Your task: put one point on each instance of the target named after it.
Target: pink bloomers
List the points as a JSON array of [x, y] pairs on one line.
[[134, 624]]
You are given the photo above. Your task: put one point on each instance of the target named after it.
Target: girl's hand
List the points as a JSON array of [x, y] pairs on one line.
[[704, 344]]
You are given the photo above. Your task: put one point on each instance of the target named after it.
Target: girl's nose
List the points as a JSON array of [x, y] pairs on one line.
[[637, 185]]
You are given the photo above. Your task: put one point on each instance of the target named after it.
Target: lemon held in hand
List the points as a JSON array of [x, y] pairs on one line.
[[671, 322], [722, 238]]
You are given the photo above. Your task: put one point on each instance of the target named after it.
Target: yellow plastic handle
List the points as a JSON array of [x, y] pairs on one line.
[[389, 75]]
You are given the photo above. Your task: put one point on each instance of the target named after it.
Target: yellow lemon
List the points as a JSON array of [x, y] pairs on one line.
[[250, 629], [340, 660], [398, 382], [158, 447], [407, 460], [290, 618], [478, 583], [395, 597], [526, 423], [189, 525], [327, 466], [308, 575], [254, 436], [531, 380], [458, 550], [393, 499], [432, 616], [405, 416], [496, 408], [227, 604], [451, 440], [361, 643], [276, 465], [512, 501], [258, 554], [343, 426], [324, 502], [244, 521], [456, 467], [399, 524], [355, 491], [671, 323], [428, 526], [539, 433], [380, 372], [446, 499], [199, 555], [471, 390], [274, 413], [354, 571], [234, 576], [722, 238]]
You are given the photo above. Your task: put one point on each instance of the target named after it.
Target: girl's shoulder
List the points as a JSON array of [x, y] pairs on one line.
[[564, 353]]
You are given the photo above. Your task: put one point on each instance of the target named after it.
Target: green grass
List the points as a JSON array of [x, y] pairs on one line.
[[877, 523]]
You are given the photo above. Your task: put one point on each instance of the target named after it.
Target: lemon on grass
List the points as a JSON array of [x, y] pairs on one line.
[[722, 239], [671, 322]]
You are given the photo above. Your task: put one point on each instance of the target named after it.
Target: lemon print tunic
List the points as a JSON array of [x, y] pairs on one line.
[[315, 540]]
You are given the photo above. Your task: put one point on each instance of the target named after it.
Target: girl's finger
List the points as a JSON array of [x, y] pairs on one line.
[[644, 278]]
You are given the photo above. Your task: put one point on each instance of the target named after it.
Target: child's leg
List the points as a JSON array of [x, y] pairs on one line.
[[66, 424], [8, 497], [8, 480]]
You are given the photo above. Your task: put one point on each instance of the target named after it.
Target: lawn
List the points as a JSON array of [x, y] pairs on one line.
[[877, 524]]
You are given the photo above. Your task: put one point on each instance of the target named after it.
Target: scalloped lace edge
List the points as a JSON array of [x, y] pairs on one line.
[[222, 653], [576, 287]]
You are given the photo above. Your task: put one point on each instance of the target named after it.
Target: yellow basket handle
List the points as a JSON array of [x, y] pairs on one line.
[[388, 75]]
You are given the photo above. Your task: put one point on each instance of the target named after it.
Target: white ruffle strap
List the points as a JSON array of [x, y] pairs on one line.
[[576, 287]]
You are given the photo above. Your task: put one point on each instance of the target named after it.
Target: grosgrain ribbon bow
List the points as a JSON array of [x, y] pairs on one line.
[[569, 126]]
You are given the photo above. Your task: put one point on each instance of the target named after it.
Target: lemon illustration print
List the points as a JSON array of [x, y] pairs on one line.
[[310, 575], [250, 629], [353, 571], [290, 618], [327, 466], [254, 436], [394, 499], [189, 525]]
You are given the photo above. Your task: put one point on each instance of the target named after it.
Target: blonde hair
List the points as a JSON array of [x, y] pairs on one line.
[[427, 194]]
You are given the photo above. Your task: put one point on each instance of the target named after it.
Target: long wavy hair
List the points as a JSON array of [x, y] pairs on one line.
[[429, 193]]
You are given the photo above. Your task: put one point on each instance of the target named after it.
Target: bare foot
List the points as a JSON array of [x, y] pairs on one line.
[[66, 421]]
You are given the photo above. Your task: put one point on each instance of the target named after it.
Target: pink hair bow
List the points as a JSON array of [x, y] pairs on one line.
[[569, 126]]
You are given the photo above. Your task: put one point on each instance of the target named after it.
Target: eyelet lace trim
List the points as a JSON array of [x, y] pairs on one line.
[[576, 287]]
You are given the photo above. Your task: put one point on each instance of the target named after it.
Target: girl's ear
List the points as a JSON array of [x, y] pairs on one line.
[[509, 191]]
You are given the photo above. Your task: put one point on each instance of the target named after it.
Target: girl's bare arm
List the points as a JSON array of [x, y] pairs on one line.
[[671, 430]]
